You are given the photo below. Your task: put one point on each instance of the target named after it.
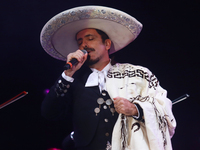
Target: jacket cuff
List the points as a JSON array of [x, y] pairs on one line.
[[140, 116], [62, 87]]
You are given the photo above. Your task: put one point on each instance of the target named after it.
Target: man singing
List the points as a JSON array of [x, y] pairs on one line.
[[121, 104]]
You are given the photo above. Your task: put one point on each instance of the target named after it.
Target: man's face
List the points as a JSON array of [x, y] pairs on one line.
[[91, 41]]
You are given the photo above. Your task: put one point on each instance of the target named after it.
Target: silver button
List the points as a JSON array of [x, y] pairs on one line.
[[108, 102], [112, 110], [68, 86], [107, 134], [106, 120], [97, 110], [104, 94], [104, 107], [100, 100]]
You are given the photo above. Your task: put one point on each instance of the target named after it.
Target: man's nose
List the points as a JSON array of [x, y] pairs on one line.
[[83, 45]]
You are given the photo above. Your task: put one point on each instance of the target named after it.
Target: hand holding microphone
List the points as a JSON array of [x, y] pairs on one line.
[[75, 61]]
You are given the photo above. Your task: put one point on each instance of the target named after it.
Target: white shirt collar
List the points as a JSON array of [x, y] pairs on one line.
[[105, 69], [93, 77]]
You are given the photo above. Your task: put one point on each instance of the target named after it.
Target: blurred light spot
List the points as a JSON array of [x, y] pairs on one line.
[[46, 91]]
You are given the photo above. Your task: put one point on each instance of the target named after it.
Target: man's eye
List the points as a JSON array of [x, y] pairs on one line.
[[90, 39]]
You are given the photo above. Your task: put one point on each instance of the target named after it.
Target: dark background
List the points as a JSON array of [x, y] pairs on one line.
[[168, 45]]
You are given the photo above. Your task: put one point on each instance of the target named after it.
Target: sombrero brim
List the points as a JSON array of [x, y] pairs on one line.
[[58, 35]]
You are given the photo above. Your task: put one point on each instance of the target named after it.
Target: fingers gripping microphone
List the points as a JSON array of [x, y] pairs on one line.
[[73, 62]]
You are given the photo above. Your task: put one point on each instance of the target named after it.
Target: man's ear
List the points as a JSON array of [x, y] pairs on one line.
[[108, 44]]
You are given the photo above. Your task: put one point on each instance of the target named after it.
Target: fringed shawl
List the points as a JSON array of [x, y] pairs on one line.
[[139, 85]]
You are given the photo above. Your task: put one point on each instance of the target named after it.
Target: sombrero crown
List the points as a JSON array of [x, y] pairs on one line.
[[58, 35]]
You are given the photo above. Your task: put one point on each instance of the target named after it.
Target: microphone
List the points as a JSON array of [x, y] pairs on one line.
[[73, 62]]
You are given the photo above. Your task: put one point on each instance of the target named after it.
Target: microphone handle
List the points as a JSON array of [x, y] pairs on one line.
[[69, 64], [73, 62]]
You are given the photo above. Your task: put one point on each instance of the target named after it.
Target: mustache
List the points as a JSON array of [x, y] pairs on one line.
[[89, 49]]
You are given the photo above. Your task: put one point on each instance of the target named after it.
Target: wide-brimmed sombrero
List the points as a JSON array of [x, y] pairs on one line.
[[58, 35]]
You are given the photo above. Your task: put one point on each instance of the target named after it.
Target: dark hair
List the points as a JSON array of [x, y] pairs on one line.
[[104, 36]]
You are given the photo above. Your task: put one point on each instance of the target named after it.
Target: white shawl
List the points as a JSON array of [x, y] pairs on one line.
[[139, 85]]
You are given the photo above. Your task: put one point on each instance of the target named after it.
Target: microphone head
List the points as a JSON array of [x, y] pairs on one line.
[[84, 51]]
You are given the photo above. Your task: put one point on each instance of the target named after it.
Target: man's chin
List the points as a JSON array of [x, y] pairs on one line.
[[91, 62]]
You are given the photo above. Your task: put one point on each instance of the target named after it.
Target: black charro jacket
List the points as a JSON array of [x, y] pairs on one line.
[[78, 102]]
